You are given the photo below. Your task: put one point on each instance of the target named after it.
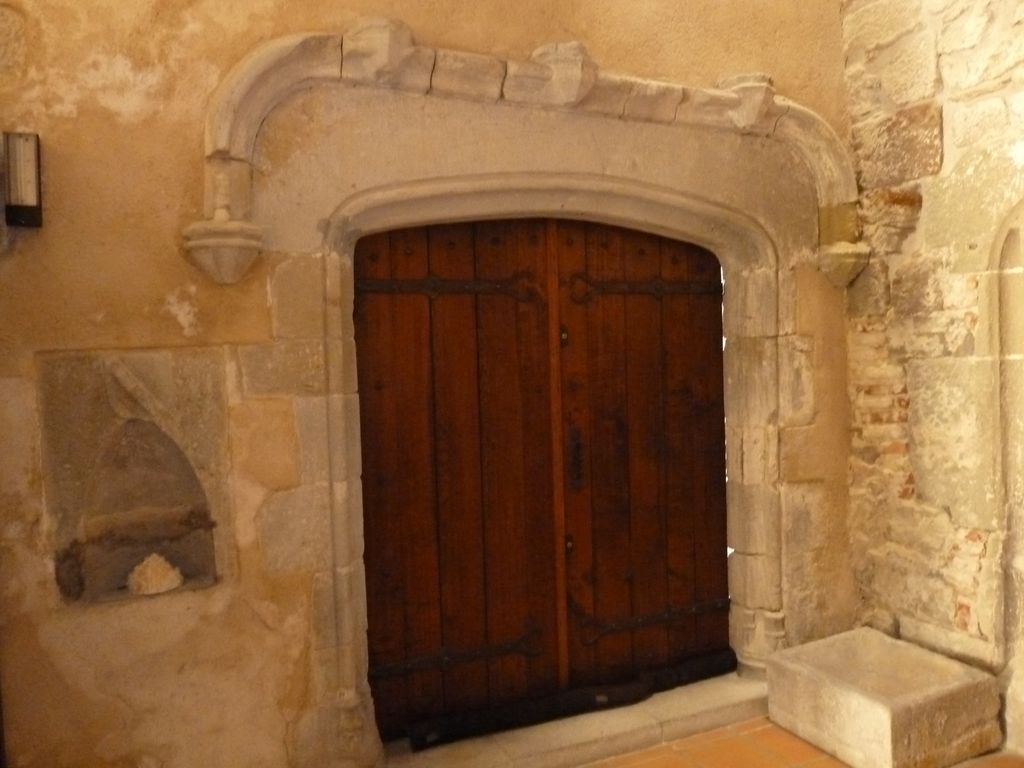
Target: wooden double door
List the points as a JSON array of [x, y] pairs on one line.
[[543, 464]]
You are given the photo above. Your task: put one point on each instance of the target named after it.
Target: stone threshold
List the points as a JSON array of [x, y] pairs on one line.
[[573, 741]]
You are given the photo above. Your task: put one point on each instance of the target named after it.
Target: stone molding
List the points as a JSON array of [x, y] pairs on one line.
[[657, 210], [801, 207], [381, 53], [747, 253]]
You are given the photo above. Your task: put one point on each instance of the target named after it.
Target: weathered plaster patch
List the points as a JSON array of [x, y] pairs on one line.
[[149, 670], [181, 305], [19, 459], [120, 86], [12, 43]]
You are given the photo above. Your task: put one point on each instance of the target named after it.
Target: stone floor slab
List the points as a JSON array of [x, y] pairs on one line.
[[876, 702]]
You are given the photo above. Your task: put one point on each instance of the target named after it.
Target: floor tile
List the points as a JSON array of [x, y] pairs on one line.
[[996, 761], [794, 750], [750, 725], [644, 758], [670, 760], [707, 737], [734, 752]]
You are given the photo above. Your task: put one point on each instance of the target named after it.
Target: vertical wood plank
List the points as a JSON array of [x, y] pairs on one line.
[[609, 455], [528, 256], [457, 454], [559, 552], [571, 241], [385, 588], [504, 476], [645, 406], [682, 368], [414, 481]]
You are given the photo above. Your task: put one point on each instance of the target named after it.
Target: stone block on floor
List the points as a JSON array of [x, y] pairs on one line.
[[876, 702]]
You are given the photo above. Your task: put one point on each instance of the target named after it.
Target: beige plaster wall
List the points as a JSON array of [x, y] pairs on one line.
[[937, 105], [118, 92]]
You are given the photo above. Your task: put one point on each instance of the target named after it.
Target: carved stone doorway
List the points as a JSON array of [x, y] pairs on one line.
[[738, 170]]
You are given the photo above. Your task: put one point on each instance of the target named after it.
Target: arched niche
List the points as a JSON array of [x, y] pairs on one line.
[[316, 140]]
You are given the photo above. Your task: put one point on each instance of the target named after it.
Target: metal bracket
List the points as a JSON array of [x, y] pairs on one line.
[[594, 629]]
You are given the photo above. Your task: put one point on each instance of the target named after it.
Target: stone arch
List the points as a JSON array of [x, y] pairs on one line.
[[760, 181], [738, 241], [622, 202]]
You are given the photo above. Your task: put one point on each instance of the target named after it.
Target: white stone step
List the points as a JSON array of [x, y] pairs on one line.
[[876, 702]]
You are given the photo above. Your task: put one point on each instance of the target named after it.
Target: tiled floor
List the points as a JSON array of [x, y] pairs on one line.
[[753, 744]]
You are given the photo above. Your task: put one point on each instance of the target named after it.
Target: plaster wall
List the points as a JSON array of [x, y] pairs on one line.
[[936, 93], [118, 92]]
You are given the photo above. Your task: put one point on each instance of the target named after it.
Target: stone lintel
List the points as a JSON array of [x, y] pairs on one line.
[[876, 702], [382, 53]]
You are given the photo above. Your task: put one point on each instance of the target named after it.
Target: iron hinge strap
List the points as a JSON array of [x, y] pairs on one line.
[[594, 628], [582, 288], [446, 659]]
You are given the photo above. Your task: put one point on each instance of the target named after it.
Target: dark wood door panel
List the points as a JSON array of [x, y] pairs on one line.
[[452, 339], [543, 459], [642, 399]]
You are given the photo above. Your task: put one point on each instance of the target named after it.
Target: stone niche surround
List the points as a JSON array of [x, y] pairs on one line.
[[316, 140]]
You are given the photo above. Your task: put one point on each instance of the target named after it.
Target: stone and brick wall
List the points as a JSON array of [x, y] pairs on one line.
[[936, 89]]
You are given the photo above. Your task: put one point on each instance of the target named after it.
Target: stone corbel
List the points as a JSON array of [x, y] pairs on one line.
[[842, 262], [222, 247], [841, 255], [226, 244]]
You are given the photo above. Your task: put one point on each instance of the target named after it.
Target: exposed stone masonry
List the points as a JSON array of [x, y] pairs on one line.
[[936, 93]]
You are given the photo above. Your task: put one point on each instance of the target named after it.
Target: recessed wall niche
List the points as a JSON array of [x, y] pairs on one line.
[[134, 453]]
